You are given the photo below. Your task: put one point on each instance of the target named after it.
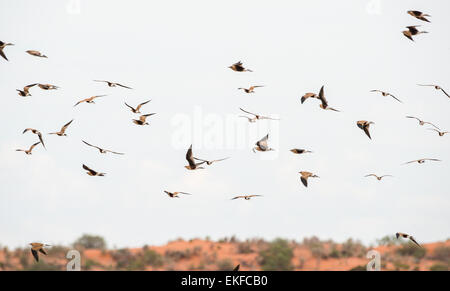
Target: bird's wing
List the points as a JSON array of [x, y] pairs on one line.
[[89, 169], [375, 90], [370, 175], [413, 117], [445, 93], [29, 86], [200, 159], [366, 130], [304, 181], [410, 162], [101, 81], [435, 160], [266, 117], [35, 255], [91, 145], [395, 98], [123, 86], [129, 106], [426, 85], [97, 96], [33, 145], [81, 101], [408, 36], [220, 159], [185, 193], [41, 139], [42, 251], [322, 97], [3, 54], [190, 158], [254, 195], [247, 112], [66, 125], [113, 152], [150, 114], [414, 241], [263, 142], [237, 197], [143, 103]]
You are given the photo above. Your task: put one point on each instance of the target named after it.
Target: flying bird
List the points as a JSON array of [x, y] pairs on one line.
[[38, 247], [91, 172], [36, 53], [142, 119], [407, 236], [2, 46], [47, 87], [378, 177], [421, 122], [256, 116], [26, 90], [261, 145], [364, 125], [209, 163], [89, 100], [190, 158], [136, 110], [324, 101], [421, 161], [419, 15], [37, 132], [113, 84], [62, 132], [250, 90], [305, 175], [437, 87], [175, 194], [309, 95], [237, 67], [300, 151], [246, 197], [412, 30], [440, 133], [29, 151], [103, 151], [387, 94]]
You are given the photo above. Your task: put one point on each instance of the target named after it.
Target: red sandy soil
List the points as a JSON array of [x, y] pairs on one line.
[[207, 255]]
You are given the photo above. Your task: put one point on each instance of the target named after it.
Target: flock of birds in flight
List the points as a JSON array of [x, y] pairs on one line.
[[195, 163]]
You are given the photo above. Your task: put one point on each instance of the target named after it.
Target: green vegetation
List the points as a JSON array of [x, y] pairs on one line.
[[90, 242], [225, 265], [439, 267], [411, 250], [277, 257]]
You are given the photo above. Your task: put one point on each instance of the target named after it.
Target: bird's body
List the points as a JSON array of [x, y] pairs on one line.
[[407, 236], [324, 102], [30, 150], [364, 125], [26, 90], [300, 151], [419, 15], [175, 194], [421, 161], [245, 197], [113, 84], [2, 46], [262, 146], [136, 110], [62, 132], [47, 87], [412, 31], [383, 93], [38, 247], [102, 150], [93, 173], [305, 175], [191, 161], [37, 132], [440, 133], [142, 119], [378, 177], [238, 67], [250, 90], [89, 100], [36, 53]]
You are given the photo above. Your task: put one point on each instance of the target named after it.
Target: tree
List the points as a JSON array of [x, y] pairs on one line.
[[90, 242], [277, 257]]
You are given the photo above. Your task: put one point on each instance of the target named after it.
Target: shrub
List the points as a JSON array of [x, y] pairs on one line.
[[408, 250], [152, 258], [352, 249], [439, 267], [441, 253], [225, 265], [90, 242], [359, 268], [244, 248], [277, 257]]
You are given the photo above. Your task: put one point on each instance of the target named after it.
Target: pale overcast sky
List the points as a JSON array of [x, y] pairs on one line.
[[177, 53]]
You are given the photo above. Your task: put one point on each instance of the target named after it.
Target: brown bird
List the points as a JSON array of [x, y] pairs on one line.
[[437, 87], [421, 161], [175, 194], [142, 119], [35, 131], [38, 247], [2, 46], [103, 151], [112, 84], [407, 236], [29, 151], [387, 94], [246, 197], [300, 151], [26, 90], [237, 67], [421, 122], [250, 90], [91, 172], [419, 15], [261, 145], [47, 87], [305, 175], [412, 30], [62, 132], [440, 133], [89, 100], [324, 104], [378, 177], [237, 268], [36, 53], [190, 158], [136, 110], [364, 125], [309, 95], [209, 163], [256, 116]]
